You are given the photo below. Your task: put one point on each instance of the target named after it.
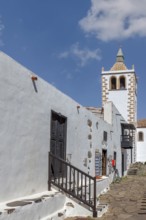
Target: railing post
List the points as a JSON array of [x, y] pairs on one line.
[[49, 172], [94, 209]]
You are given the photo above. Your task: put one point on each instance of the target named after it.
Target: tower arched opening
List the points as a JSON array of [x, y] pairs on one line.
[[122, 82], [113, 83]]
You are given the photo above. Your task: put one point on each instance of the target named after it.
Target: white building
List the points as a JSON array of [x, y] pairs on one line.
[[141, 140], [36, 119]]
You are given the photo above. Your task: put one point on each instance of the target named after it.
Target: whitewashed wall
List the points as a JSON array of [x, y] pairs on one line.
[[25, 114], [141, 146], [113, 115], [120, 102]]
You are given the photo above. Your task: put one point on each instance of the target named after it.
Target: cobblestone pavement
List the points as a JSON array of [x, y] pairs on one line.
[[126, 199]]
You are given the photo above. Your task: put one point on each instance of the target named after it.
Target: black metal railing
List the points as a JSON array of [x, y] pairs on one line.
[[126, 141], [73, 181]]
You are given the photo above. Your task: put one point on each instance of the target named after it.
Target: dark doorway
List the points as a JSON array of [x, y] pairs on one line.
[[115, 157], [104, 162], [123, 164], [58, 140]]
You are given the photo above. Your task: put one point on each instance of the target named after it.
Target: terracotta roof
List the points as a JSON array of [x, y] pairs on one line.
[[96, 111], [141, 123], [119, 66]]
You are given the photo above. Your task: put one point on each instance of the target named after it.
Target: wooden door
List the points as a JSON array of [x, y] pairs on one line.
[[115, 158], [104, 162], [58, 140]]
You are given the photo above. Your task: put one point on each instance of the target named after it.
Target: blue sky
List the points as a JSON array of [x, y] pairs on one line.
[[67, 42]]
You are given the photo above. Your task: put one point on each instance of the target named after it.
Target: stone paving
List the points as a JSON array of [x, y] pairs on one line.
[[126, 199]]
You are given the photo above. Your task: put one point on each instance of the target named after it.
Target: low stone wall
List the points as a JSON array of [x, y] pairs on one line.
[[103, 184]]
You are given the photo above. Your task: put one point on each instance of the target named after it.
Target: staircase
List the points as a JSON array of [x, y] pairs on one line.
[[132, 171], [74, 182]]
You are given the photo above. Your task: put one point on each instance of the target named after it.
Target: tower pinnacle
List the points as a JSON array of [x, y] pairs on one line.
[[119, 64], [120, 56]]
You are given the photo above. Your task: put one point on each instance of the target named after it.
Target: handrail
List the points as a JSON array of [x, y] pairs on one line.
[[73, 181]]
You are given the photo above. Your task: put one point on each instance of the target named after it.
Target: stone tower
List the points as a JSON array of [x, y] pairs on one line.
[[119, 85]]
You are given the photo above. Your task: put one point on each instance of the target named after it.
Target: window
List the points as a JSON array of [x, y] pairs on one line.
[[140, 136], [113, 83], [105, 136], [122, 82]]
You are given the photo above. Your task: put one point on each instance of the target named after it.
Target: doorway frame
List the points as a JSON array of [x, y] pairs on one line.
[[104, 163]]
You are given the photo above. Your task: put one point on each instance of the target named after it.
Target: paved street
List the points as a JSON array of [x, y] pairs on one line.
[[126, 199]]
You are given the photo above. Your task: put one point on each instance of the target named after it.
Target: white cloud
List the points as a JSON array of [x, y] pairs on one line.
[[69, 76], [115, 19], [83, 55], [24, 48], [64, 54], [1, 31]]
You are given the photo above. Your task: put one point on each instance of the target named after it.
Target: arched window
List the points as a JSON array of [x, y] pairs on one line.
[[122, 82], [140, 136], [113, 83]]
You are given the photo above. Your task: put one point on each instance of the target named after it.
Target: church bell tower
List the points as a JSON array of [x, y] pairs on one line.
[[119, 85]]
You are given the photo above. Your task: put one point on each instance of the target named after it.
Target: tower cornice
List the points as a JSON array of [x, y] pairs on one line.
[[118, 72]]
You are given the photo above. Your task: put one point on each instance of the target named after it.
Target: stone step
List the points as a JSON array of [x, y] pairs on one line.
[[132, 172], [38, 206], [101, 209]]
